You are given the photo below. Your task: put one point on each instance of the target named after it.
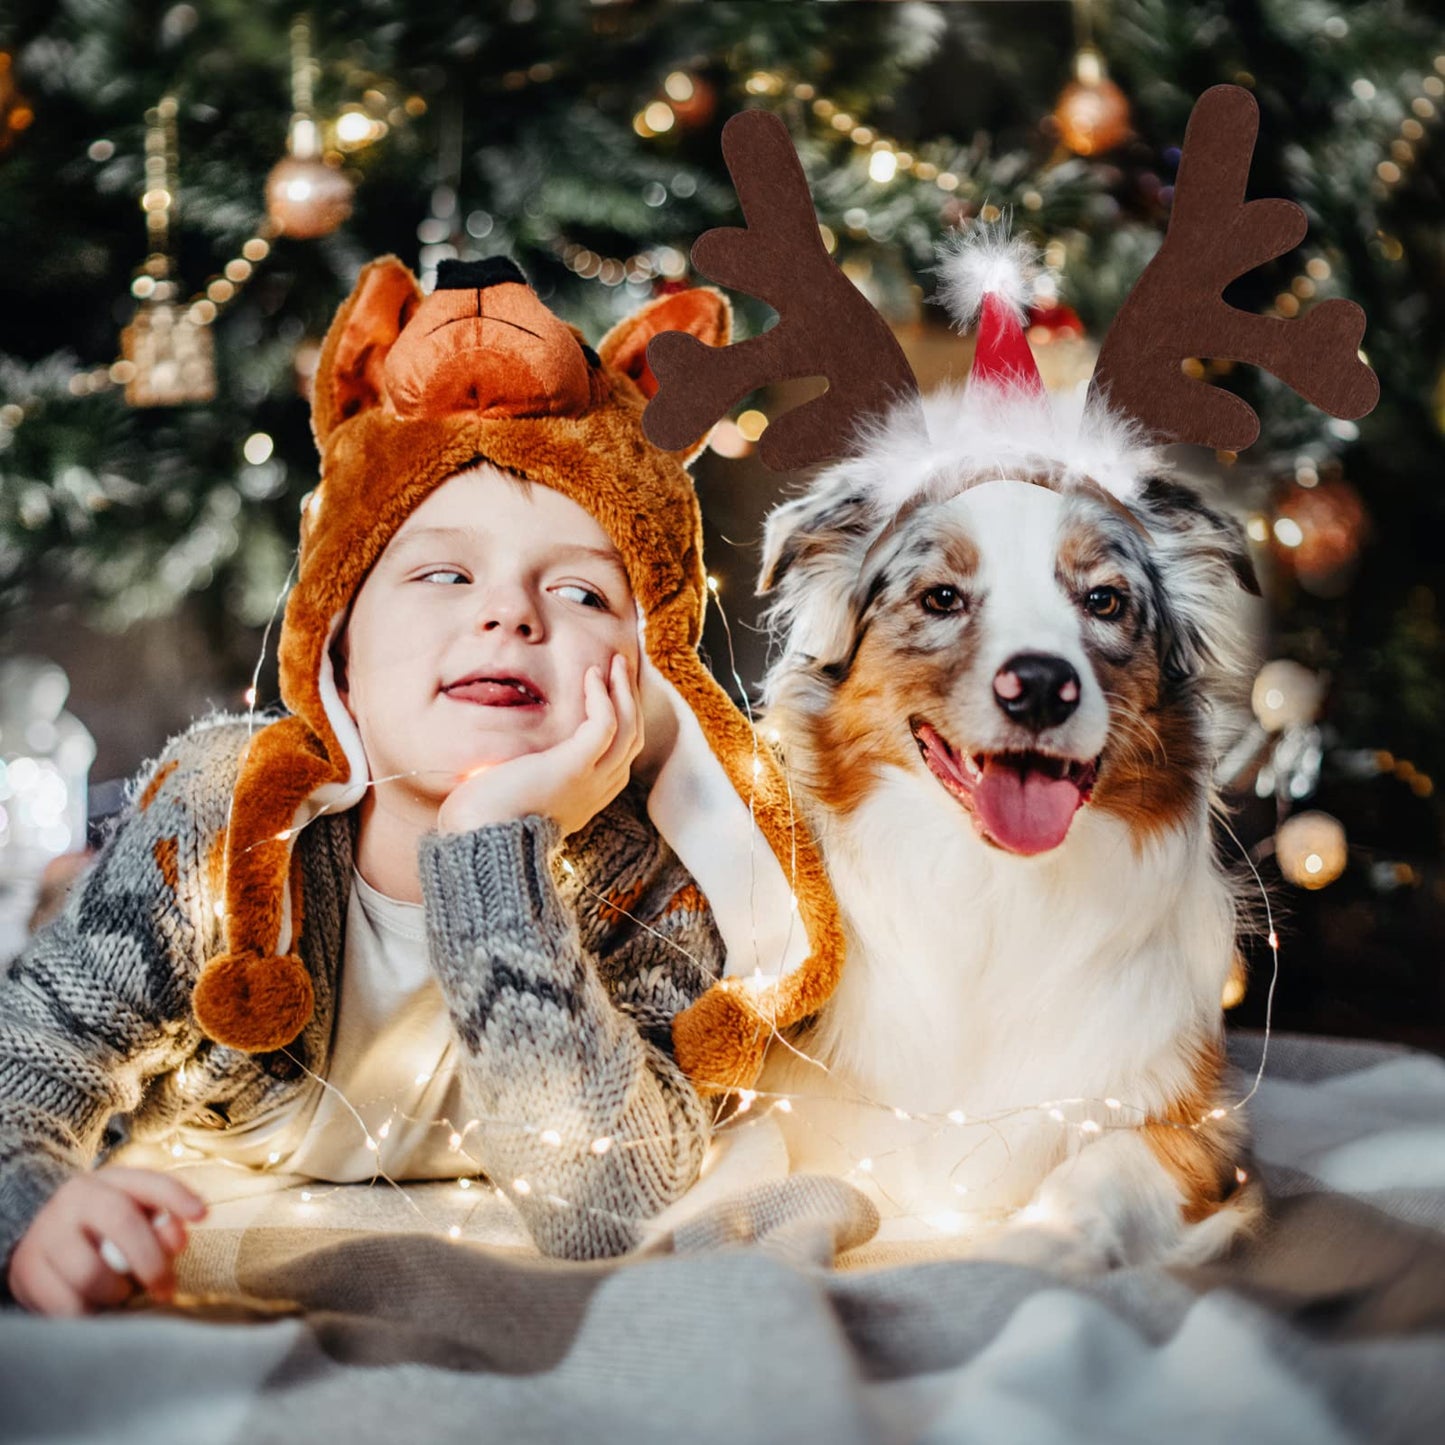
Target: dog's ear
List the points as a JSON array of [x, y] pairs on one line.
[[813, 551], [827, 519], [1175, 507], [1202, 559]]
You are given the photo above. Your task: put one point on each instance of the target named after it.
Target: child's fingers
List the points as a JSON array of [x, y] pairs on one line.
[[597, 729], [44, 1292], [631, 690], [160, 1192], [170, 1231], [627, 742], [121, 1220], [82, 1267]]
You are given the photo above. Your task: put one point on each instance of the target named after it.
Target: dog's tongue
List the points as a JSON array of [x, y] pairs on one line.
[[1024, 810]]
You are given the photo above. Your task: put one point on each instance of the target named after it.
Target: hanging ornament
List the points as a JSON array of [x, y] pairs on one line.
[[1318, 532], [693, 99], [171, 358], [305, 197], [1311, 849], [15, 112], [1052, 321], [1285, 695], [168, 355], [1092, 113]]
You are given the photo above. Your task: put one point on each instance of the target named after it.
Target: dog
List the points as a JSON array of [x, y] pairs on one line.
[[1010, 649], [1010, 652]]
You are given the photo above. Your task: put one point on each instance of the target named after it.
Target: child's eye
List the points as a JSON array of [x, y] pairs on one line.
[[576, 592], [444, 577]]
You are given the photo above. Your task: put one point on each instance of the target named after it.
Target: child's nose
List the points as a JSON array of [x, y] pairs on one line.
[[512, 611]]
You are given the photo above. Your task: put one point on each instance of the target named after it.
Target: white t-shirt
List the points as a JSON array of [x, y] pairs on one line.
[[393, 1077]]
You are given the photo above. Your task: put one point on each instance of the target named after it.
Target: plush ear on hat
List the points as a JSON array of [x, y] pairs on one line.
[[699, 311], [348, 374]]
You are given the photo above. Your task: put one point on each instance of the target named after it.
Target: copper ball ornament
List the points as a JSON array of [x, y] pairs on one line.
[[693, 99], [1091, 113], [306, 198], [1319, 531]]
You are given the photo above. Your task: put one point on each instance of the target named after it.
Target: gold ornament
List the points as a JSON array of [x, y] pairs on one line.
[[1092, 113], [172, 358], [168, 357], [1311, 849]]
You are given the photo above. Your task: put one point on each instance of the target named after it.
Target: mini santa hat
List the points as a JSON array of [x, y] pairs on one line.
[[409, 391], [987, 279]]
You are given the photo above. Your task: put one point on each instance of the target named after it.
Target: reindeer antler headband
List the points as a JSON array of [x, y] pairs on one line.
[[1175, 311]]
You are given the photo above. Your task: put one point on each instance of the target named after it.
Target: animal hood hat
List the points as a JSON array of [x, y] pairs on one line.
[[410, 390]]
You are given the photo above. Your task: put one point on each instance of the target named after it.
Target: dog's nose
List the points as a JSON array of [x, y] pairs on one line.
[[1036, 690]]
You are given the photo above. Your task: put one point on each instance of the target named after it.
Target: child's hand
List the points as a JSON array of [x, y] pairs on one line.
[[60, 1266], [571, 782]]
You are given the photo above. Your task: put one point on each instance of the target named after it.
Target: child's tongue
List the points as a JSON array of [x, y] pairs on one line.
[[493, 692], [1022, 809]]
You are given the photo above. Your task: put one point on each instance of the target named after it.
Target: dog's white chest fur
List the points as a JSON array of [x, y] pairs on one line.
[[1000, 991]]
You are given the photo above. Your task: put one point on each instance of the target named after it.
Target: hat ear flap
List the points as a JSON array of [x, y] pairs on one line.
[[348, 375], [699, 311]]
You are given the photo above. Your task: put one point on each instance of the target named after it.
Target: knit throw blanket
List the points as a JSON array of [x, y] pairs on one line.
[[363, 1320]]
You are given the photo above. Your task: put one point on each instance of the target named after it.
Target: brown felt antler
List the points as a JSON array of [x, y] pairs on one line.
[[1177, 310], [826, 326]]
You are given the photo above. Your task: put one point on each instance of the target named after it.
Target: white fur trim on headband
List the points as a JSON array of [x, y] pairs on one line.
[[982, 261], [977, 433]]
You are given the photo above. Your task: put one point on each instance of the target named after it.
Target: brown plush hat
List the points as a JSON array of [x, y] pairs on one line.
[[409, 391]]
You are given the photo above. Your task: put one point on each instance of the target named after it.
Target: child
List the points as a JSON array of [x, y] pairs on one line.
[[333, 943]]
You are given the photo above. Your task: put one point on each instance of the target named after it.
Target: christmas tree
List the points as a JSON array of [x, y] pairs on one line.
[[207, 180]]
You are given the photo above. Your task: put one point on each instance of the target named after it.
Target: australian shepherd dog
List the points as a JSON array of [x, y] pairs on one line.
[[1008, 650]]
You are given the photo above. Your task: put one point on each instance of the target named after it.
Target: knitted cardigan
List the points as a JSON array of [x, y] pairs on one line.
[[560, 979]]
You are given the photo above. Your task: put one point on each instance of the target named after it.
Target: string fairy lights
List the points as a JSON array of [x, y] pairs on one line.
[[1423, 107], [1077, 1116]]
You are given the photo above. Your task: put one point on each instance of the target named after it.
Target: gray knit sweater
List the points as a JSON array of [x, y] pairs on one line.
[[561, 987]]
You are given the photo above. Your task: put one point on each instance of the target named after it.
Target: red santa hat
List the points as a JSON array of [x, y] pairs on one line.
[[987, 280]]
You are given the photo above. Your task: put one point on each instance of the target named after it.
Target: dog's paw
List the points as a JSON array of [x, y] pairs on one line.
[[1053, 1249]]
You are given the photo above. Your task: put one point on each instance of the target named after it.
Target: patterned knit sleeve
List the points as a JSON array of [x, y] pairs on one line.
[[584, 1118], [98, 1003]]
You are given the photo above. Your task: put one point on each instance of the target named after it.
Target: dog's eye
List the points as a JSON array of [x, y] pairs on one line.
[[942, 599], [1106, 602]]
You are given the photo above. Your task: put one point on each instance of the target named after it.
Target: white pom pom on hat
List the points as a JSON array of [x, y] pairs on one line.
[[985, 261]]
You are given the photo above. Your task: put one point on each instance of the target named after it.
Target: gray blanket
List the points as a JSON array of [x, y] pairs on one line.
[[1329, 1327]]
